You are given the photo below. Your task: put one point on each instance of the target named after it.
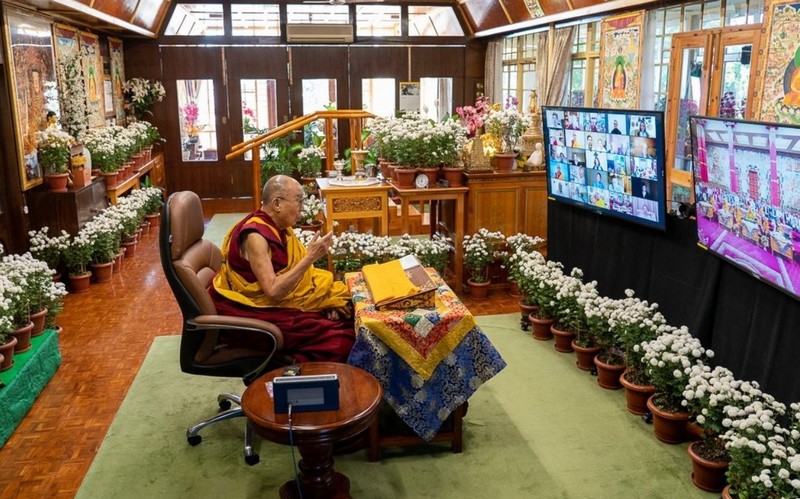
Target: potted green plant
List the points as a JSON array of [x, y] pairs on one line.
[[7, 340], [53, 145], [25, 283], [104, 234], [279, 157], [309, 162], [598, 337], [570, 314], [430, 252]]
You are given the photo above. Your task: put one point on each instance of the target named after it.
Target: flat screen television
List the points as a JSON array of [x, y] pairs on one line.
[[747, 188], [609, 161]]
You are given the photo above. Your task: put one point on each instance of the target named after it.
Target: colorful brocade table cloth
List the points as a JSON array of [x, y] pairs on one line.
[[428, 361]]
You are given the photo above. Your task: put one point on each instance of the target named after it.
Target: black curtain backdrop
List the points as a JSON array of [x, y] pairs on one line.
[[753, 328]]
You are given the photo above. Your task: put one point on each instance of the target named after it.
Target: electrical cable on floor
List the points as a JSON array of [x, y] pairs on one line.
[[294, 461]]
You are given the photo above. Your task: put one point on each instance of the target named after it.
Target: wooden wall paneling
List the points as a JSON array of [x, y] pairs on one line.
[[550, 7], [209, 179], [516, 10], [474, 71], [441, 62], [151, 14], [485, 14], [121, 9], [534, 216], [322, 62], [376, 62], [252, 63]]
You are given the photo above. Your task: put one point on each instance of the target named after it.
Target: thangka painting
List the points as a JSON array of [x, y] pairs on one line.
[[620, 62], [779, 99], [34, 89], [534, 9], [117, 77], [70, 77], [92, 63]]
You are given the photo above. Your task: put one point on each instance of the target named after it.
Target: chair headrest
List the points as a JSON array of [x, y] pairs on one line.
[[186, 222]]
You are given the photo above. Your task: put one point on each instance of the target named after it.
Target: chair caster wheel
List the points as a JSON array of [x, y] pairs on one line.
[[194, 440], [224, 405], [252, 459]]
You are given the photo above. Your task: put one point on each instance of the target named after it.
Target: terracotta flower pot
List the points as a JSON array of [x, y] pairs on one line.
[[726, 493], [636, 395], [57, 182], [563, 338], [707, 475], [102, 271], [432, 174], [154, 219], [478, 290], [669, 427], [315, 227], [584, 356], [23, 336], [504, 162], [79, 283], [453, 175], [608, 374], [130, 248], [526, 310], [405, 177], [541, 327], [110, 179], [7, 350], [117, 267], [513, 289], [38, 322]]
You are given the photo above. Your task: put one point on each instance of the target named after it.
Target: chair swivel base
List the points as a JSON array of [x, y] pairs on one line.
[[225, 400]]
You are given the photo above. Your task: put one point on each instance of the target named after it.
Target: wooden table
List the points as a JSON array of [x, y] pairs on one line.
[[435, 195], [315, 432], [354, 202]]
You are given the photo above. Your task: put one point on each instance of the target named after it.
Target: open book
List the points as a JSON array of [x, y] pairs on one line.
[[400, 284]]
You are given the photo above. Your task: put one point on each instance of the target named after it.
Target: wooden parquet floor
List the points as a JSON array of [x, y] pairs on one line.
[[107, 333]]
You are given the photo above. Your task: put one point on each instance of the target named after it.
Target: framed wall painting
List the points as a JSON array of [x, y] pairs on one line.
[[117, 67], [34, 89], [409, 96], [779, 65], [70, 78], [621, 42], [92, 64]]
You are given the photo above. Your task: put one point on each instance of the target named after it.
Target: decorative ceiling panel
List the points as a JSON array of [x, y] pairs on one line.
[[485, 14], [551, 7], [121, 9]]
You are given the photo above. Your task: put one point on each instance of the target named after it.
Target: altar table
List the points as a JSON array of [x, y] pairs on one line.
[[428, 361]]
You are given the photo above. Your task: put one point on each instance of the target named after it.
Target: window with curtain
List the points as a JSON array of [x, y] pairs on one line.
[[435, 98], [377, 96], [583, 77], [519, 68]]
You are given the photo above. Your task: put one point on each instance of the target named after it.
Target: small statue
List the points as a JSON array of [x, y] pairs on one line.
[[536, 159], [533, 107]]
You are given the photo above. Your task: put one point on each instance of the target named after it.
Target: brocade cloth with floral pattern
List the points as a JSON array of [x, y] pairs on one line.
[[428, 361]]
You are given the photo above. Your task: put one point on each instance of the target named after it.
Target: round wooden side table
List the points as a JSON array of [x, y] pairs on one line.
[[314, 433]]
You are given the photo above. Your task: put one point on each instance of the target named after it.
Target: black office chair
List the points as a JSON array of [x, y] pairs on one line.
[[190, 263]]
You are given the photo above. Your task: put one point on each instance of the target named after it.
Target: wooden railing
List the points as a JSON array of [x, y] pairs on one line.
[[356, 118]]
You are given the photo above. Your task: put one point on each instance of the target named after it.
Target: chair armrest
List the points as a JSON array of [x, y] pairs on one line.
[[243, 324]]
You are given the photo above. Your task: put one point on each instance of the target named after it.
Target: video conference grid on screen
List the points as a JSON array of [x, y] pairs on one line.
[[609, 161]]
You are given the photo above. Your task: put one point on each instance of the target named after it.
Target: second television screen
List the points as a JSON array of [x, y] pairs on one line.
[[607, 160]]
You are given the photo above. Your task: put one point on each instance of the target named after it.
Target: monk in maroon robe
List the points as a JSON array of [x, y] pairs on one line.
[[268, 274]]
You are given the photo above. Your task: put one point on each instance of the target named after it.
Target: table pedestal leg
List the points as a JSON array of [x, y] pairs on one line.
[[318, 480]]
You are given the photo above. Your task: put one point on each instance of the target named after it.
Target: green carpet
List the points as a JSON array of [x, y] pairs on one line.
[[219, 225], [541, 428]]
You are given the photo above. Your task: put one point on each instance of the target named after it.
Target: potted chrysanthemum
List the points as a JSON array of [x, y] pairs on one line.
[[668, 360], [309, 213], [479, 253], [53, 145]]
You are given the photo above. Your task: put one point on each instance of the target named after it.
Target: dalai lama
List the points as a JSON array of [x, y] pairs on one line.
[[268, 274]]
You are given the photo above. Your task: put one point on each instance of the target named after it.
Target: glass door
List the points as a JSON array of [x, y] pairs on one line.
[[688, 94], [717, 74]]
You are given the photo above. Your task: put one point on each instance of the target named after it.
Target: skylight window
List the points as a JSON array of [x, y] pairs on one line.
[[378, 20], [255, 19], [196, 19], [317, 14], [429, 20]]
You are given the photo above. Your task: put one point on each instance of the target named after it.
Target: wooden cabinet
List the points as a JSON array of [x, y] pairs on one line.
[[67, 210], [507, 202]]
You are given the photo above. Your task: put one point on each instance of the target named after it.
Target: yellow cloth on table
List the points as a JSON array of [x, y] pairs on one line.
[[388, 281]]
